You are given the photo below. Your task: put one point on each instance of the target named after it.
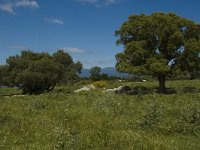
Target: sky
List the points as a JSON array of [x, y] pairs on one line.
[[83, 28]]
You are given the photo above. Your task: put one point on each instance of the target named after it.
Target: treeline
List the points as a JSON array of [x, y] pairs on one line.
[[35, 72]]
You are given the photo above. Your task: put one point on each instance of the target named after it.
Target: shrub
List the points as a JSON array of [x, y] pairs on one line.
[[100, 83]]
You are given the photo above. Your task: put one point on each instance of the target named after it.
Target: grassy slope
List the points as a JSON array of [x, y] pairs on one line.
[[96, 120]]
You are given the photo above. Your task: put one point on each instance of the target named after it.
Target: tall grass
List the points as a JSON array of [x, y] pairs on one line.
[[95, 120]]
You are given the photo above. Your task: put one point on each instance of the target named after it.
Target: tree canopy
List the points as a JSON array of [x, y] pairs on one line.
[[95, 73], [38, 72], [157, 44]]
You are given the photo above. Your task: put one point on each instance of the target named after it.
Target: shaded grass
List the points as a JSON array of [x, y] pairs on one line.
[[95, 120], [9, 91]]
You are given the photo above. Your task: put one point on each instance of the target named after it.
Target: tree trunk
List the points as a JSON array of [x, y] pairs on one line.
[[161, 79]]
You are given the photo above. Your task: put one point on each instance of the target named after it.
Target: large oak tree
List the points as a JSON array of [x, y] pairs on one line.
[[156, 44]]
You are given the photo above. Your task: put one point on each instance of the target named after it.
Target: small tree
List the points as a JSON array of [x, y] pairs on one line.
[[35, 73], [95, 73], [156, 44]]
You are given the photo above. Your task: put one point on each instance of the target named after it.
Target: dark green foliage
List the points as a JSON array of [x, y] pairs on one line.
[[190, 59], [35, 73], [4, 76], [157, 44], [63, 58], [105, 76], [41, 75], [70, 68], [95, 73]]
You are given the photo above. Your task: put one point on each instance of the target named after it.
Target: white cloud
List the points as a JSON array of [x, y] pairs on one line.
[[73, 50], [21, 47], [98, 2], [54, 20], [27, 3], [7, 8], [10, 5]]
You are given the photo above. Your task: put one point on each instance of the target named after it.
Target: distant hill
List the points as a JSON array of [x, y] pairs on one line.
[[111, 71]]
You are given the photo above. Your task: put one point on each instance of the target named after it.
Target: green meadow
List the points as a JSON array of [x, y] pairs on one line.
[[95, 120]]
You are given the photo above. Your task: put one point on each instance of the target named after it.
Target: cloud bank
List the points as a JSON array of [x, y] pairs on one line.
[[10, 5]]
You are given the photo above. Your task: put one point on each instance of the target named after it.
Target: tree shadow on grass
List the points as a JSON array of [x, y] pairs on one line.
[[190, 89], [187, 89], [149, 90], [136, 90]]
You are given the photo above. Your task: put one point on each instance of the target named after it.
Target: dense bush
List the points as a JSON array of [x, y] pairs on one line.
[[35, 73]]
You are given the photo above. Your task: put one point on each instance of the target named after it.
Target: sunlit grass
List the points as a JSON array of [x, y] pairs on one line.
[[95, 120]]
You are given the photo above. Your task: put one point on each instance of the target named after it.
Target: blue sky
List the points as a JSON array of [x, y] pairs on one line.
[[84, 28]]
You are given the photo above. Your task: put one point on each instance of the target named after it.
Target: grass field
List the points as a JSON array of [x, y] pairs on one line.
[[95, 120]]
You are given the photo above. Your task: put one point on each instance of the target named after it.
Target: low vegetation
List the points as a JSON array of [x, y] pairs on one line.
[[63, 119]]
